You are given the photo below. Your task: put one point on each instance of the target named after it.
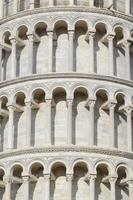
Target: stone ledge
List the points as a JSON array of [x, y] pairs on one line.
[[105, 11], [72, 149], [66, 75]]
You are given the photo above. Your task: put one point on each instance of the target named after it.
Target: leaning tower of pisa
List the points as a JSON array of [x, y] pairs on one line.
[[66, 99]]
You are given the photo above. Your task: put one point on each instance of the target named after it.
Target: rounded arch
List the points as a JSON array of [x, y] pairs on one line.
[[20, 97], [81, 19], [122, 30], [57, 163], [101, 90], [103, 24], [36, 168], [59, 21], [6, 37], [82, 89], [81, 23], [22, 31], [30, 164], [105, 163], [40, 28], [58, 89], [82, 162], [19, 167], [124, 167]]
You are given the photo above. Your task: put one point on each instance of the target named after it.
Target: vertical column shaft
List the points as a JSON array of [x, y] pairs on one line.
[[51, 2], [14, 60], [71, 50], [69, 121], [111, 55], [7, 189], [128, 7], [92, 122], [50, 51], [47, 186], [15, 6], [91, 41], [11, 127], [1, 50], [28, 123], [129, 128], [32, 4], [71, 2], [127, 57], [49, 110], [31, 55], [26, 188], [130, 184], [112, 181], [1, 9], [112, 124], [92, 186], [69, 186]]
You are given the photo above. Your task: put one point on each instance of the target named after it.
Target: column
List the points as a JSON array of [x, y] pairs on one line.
[[91, 3], [49, 110], [28, 123], [129, 127], [130, 184], [92, 57], [92, 122], [92, 186], [26, 187], [7, 189], [31, 4], [1, 9], [69, 121], [71, 2], [50, 51], [112, 181], [69, 186], [15, 6], [127, 57], [31, 55], [128, 7], [47, 186], [71, 51], [51, 2], [1, 50], [112, 123], [14, 60], [11, 109], [111, 55]]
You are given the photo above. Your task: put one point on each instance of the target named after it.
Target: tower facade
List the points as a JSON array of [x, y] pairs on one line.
[[66, 99]]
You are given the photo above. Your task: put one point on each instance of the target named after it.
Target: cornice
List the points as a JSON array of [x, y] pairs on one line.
[[66, 149], [58, 76], [104, 11]]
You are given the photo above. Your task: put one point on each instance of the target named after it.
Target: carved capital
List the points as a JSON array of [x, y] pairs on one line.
[[69, 177], [112, 180], [47, 177]]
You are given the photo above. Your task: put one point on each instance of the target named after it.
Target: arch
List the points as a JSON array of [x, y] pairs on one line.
[[82, 89], [60, 23], [57, 163], [22, 31], [102, 90], [126, 168], [103, 24], [80, 161], [109, 166], [18, 167], [33, 163], [40, 28], [84, 20]]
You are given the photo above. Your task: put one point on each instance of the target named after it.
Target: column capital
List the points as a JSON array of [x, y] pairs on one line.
[[112, 179], [11, 107], [92, 177], [50, 33], [112, 104], [127, 43], [71, 33], [69, 177], [130, 182], [28, 103], [7, 180], [128, 109], [30, 37], [69, 102], [47, 177], [25, 178], [91, 102], [110, 36]]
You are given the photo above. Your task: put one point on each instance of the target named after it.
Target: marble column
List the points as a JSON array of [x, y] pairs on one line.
[[32, 4], [31, 53], [92, 186], [71, 2], [50, 51], [49, 120], [128, 7], [14, 59], [1, 53], [92, 57], [7, 188], [69, 186], [69, 121], [15, 6], [92, 121], [112, 123], [11, 109], [130, 184], [28, 123], [127, 57], [26, 187], [47, 186], [51, 2], [112, 181], [71, 51], [111, 55], [129, 128], [1, 9]]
